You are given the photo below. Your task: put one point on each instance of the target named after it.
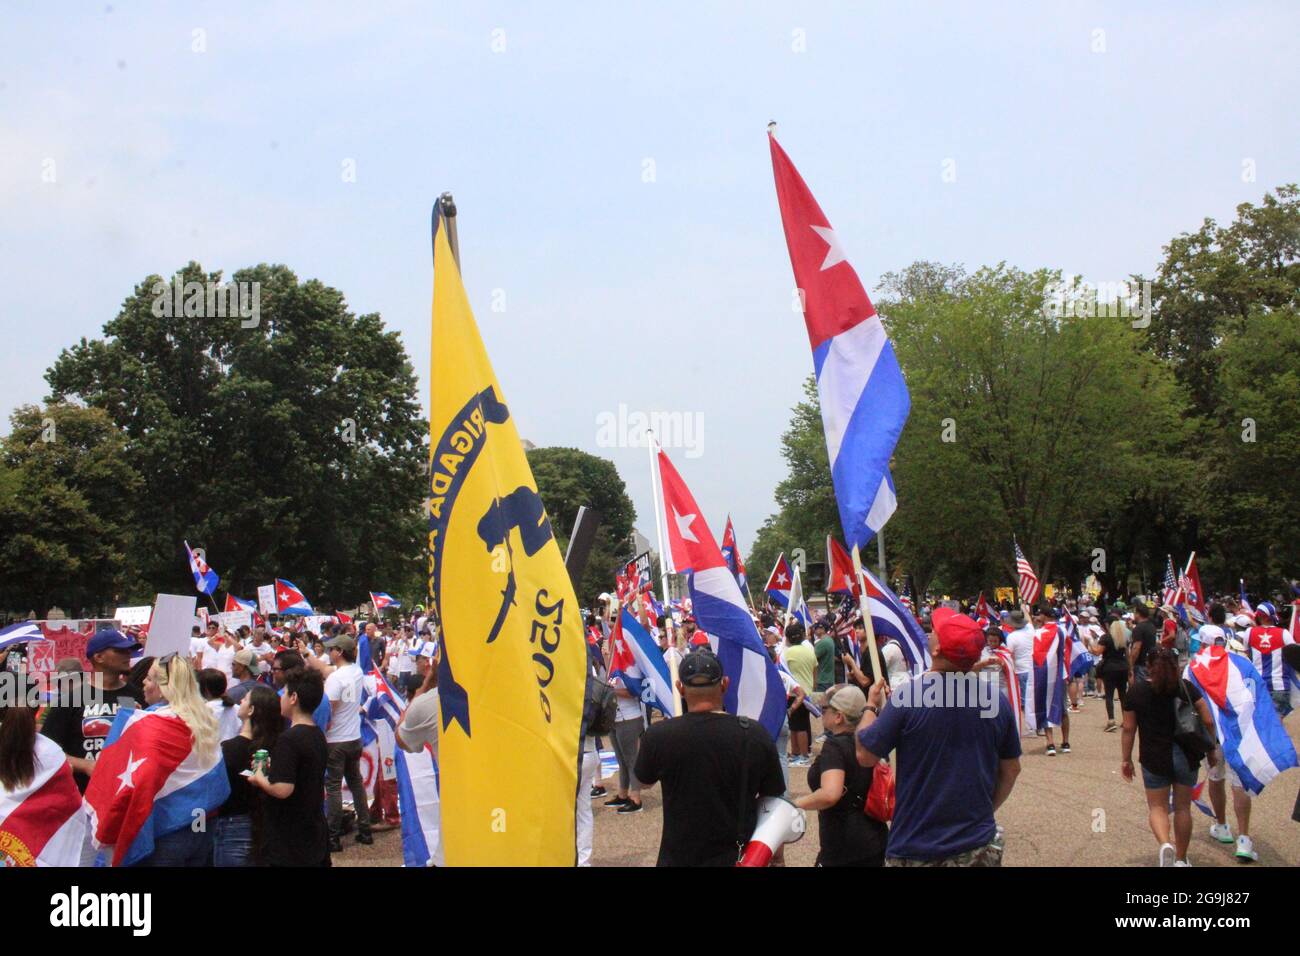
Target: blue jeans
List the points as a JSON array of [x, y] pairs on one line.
[[1184, 773], [232, 841], [183, 847], [1022, 679], [782, 744]]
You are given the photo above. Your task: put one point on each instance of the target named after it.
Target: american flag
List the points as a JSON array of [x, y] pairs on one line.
[[1029, 586], [1170, 585]]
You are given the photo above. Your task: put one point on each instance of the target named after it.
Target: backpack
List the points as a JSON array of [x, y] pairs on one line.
[[599, 707]]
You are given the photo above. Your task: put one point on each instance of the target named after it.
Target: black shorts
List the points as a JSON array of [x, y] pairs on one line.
[[800, 719]]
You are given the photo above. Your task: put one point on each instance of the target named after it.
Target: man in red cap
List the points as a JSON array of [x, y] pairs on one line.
[[957, 759]]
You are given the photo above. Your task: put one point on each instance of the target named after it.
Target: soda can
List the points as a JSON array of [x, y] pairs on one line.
[[261, 761]]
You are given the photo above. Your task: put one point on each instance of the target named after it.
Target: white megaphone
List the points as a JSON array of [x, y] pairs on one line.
[[779, 822]]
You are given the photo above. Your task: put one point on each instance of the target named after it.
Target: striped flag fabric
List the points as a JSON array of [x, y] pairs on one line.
[[1264, 644], [839, 570], [864, 400], [418, 804], [731, 553], [42, 823], [798, 606], [636, 659], [1029, 585], [1169, 587], [20, 633], [780, 582], [1255, 744], [894, 622], [755, 689], [1045, 690], [205, 579], [1007, 663]]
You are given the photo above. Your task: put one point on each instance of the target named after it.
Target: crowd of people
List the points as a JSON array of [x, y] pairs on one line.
[[891, 782], [277, 708]]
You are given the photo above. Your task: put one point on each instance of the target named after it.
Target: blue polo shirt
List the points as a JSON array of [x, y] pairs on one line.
[[948, 746]]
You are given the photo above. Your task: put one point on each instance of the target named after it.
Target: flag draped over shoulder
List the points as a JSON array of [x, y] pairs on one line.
[[42, 823], [513, 657]]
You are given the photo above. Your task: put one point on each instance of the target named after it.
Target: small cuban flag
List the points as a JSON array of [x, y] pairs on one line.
[[205, 579], [289, 599], [380, 600]]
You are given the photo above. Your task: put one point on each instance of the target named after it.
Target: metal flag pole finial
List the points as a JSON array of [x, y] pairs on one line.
[[448, 207], [771, 128]]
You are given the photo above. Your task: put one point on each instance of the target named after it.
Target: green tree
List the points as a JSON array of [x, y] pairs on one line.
[[66, 520], [290, 447], [568, 479]]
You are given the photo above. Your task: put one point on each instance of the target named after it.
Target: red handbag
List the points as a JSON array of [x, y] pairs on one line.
[[879, 804]]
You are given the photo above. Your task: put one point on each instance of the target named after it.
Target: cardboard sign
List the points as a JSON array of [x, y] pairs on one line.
[[173, 617], [314, 621], [133, 616], [266, 598], [233, 620]]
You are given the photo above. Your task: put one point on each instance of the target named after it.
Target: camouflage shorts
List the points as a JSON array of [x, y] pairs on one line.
[[990, 854]]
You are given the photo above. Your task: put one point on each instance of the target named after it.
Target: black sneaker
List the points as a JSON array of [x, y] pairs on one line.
[[630, 807], [617, 802], [598, 792], [365, 839], [336, 845], [1051, 750], [1065, 748]]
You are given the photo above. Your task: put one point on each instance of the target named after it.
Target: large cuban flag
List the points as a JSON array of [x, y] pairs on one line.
[[756, 690], [21, 633], [636, 659], [290, 600], [148, 781], [1255, 743], [41, 822], [1045, 691], [864, 399]]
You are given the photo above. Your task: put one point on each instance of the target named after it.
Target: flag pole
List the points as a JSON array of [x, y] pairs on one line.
[[865, 603], [448, 206], [663, 573]]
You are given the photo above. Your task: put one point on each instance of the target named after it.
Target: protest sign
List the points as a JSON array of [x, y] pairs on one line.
[[133, 616], [266, 598], [173, 617]]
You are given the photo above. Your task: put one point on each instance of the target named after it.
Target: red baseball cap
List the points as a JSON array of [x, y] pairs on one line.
[[699, 637], [961, 640]]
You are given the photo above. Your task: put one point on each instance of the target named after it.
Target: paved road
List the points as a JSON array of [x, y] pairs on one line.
[[1068, 810]]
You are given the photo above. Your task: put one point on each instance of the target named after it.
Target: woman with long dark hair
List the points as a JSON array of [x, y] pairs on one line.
[[236, 839], [213, 684], [1149, 715]]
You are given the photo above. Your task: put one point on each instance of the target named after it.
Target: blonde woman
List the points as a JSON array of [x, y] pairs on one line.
[[169, 760], [1113, 669]]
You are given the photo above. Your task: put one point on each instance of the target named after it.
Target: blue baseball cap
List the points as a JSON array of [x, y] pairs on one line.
[[108, 639]]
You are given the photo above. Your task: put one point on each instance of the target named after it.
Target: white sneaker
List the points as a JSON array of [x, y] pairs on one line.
[[1181, 863], [1171, 852], [1246, 850], [1221, 832]]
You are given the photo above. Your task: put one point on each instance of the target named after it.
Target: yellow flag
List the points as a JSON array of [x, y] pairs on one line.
[[513, 654]]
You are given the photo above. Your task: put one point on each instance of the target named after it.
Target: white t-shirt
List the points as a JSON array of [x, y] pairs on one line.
[[629, 708], [895, 664], [419, 724], [266, 648], [222, 659], [405, 662], [1021, 644], [344, 686], [228, 722], [197, 647]]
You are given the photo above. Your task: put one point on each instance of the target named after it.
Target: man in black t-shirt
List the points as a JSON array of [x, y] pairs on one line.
[[79, 723], [294, 829], [714, 768], [1144, 642]]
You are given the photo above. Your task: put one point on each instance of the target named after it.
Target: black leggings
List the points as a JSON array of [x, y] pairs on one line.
[[1114, 681]]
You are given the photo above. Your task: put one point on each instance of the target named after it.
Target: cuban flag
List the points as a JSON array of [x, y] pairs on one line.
[[983, 614], [1255, 743], [864, 400], [780, 582], [20, 633], [755, 690], [635, 658], [808, 703], [380, 600], [205, 579], [289, 600], [1007, 664], [892, 621], [1077, 658], [654, 606], [148, 781], [731, 554], [42, 822], [1265, 645], [240, 604], [1045, 691], [419, 804], [798, 606], [839, 569]]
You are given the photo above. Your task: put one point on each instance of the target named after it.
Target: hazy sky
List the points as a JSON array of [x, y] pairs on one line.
[[611, 169]]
